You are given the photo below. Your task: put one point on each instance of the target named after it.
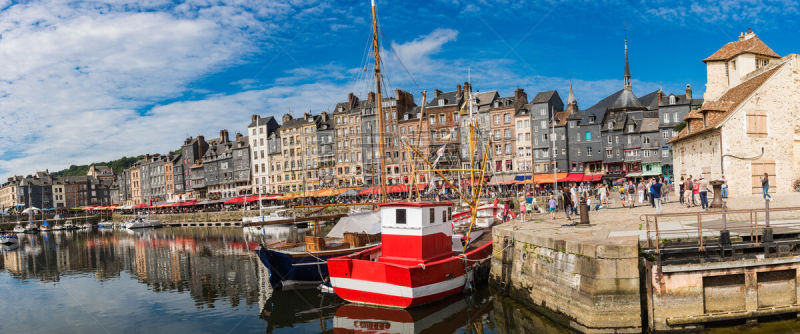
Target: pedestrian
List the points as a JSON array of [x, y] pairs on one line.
[[765, 187], [650, 192], [641, 192], [687, 193], [567, 199], [552, 207], [703, 190], [724, 187], [573, 196], [695, 191], [622, 192], [680, 190], [657, 187], [666, 188], [603, 194], [522, 209], [529, 203], [631, 194]]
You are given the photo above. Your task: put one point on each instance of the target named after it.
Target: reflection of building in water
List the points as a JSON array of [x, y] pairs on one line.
[[209, 267]]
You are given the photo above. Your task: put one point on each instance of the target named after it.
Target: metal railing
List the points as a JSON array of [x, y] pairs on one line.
[[655, 235]]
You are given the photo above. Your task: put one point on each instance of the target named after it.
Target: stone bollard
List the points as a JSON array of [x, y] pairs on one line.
[[767, 228], [583, 210]]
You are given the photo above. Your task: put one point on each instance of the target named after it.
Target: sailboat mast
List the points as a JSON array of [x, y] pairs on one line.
[[379, 101]]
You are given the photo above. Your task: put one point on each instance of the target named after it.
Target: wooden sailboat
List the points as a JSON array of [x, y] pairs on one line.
[[424, 257]]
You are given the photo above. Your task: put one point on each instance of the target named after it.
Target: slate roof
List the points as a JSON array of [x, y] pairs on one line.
[[261, 121], [733, 49], [719, 110], [650, 101], [449, 98], [599, 109], [543, 97], [626, 100]]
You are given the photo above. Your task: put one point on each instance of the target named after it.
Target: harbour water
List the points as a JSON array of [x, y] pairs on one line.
[[206, 280]]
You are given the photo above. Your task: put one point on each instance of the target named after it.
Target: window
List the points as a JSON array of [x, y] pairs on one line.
[[400, 216], [519, 124], [609, 139], [507, 133], [672, 99], [666, 118], [507, 118], [564, 151], [432, 119], [608, 152], [591, 119], [610, 125], [646, 153], [496, 119], [543, 124], [645, 140], [432, 213], [631, 127], [571, 124], [442, 118], [588, 136], [665, 153], [757, 124], [588, 151]]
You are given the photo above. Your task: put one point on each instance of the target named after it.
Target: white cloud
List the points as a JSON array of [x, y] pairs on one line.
[[75, 76]]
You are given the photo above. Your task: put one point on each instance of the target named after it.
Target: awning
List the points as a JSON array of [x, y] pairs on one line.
[[633, 175], [235, 200], [544, 178], [140, 206], [501, 179], [592, 178], [651, 173], [572, 178], [522, 177]]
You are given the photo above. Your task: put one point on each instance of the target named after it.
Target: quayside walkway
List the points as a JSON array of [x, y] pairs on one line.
[[631, 270]]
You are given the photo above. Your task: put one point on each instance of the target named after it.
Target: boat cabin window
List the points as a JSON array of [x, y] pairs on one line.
[[432, 215], [449, 213], [400, 216]]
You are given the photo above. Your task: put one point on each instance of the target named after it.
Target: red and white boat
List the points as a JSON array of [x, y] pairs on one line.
[[419, 261]]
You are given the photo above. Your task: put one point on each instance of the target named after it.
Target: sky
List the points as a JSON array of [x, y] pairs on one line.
[[83, 82]]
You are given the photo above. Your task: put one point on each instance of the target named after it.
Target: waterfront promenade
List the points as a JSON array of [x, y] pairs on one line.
[[608, 277]]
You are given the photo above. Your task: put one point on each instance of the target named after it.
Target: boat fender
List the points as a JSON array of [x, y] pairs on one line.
[[422, 265]]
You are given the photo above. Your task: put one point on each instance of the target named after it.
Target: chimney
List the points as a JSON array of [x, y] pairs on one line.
[[238, 135], [201, 140], [467, 87], [659, 96], [307, 116], [254, 118], [458, 89], [689, 93], [436, 93], [741, 36], [352, 100], [371, 97], [520, 97]]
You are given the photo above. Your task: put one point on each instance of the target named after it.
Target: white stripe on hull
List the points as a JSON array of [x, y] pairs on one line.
[[398, 290]]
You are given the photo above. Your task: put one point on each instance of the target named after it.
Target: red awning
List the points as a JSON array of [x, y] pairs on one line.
[[235, 200], [139, 206], [572, 178], [592, 178]]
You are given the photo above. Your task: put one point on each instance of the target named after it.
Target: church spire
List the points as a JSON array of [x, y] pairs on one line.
[[571, 98], [627, 67]]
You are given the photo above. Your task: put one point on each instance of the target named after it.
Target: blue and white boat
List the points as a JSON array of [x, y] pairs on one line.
[[10, 238], [31, 228], [105, 225], [19, 229], [291, 264]]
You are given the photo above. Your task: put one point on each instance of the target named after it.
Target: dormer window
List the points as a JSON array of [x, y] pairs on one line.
[[441, 102], [591, 119], [630, 127], [610, 125], [672, 99]]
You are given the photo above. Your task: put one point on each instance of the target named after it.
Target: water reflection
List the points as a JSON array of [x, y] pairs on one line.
[[201, 280]]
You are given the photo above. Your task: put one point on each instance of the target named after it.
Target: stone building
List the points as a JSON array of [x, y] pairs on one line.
[[503, 136], [749, 123], [414, 131], [9, 196], [478, 107], [275, 166], [259, 132], [672, 110], [393, 108], [192, 153], [101, 172], [347, 150], [325, 162], [221, 162], [524, 155], [543, 108], [369, 141], [241, 165], [294, 132], [441, 121], [59, 200]]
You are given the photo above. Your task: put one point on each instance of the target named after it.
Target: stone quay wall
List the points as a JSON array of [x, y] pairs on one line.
[[594, 284]]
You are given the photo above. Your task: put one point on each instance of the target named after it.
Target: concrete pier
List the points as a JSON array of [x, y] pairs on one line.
[[623, 275]]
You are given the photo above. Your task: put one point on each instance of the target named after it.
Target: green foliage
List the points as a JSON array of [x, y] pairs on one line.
[[117, 165], [678, 127]]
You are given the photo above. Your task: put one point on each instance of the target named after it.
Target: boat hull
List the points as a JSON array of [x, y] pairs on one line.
[[358, 278], [288, 268], [8, 239]]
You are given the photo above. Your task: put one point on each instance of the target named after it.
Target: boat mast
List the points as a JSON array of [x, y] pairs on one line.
[[379, 101]]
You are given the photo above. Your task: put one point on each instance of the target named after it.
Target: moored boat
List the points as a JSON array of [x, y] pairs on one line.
[[45, 226], [142, 222], [418, 262], [19, 229], [31, 228], [294, 263], [68, 225], [105, 225], [10, 238]]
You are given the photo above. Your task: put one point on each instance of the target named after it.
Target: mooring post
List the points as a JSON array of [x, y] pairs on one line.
[[767, 229], [724, 235]]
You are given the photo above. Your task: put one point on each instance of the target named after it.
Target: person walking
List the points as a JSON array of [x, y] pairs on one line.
[[622, 191], [529, 204], [552, 207], [631, 194], [724, 187], [650, 192], [695, 192], [657, 196], [522, 209], [765, 187], [641, 192], [573, 195], [567, 199], [603, 194], [666, 187], [687, 193], [703, 190], [680, 190]]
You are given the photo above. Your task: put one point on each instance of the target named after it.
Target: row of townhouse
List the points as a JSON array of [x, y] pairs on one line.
[[44, 191]]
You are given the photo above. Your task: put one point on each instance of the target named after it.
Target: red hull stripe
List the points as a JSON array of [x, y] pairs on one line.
[[371, 298]]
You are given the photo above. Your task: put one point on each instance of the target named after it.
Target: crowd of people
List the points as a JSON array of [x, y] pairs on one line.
[[653, 191]]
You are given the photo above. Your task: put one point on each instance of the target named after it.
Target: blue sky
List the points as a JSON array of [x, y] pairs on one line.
[[83, 82]]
